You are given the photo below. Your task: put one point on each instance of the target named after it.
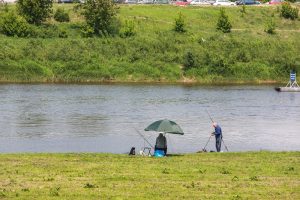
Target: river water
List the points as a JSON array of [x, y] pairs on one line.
[[103, 118]]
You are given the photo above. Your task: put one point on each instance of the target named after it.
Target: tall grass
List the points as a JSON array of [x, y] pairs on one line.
[[156, 52]]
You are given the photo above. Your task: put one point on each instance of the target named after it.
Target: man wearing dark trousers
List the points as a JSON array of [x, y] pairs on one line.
[[218, 135]]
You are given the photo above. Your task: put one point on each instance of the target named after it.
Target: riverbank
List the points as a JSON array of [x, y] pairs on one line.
[[156, 53], [251, 175]]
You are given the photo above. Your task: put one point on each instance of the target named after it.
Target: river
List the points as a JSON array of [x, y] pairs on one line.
[[103, 118]]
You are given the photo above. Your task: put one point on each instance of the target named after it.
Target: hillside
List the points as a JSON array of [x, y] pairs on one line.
[[157, 53]]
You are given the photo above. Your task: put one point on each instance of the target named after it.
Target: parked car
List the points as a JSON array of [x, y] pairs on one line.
[[65, 1], [182, 3], [130, 1], [199, 2], [247, 2], [224, 3], [275, 2], [145, 2]]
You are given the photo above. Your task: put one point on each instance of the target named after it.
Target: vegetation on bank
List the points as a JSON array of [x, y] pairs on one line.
[[259, 175], [148, 48]]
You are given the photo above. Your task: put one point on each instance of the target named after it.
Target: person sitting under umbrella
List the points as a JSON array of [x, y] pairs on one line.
[[161, 143]]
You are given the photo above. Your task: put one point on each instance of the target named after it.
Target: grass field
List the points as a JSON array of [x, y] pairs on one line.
[[156, 53], [253, 175]]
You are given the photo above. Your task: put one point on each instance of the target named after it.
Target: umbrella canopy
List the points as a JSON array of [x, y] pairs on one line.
[[165, 126]]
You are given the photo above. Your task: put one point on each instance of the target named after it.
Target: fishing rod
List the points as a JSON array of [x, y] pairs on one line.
[[211, 119], [145, 139], [204, 149], [224, 144]]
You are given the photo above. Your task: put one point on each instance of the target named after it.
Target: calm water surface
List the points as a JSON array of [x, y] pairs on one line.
[[103, 118]]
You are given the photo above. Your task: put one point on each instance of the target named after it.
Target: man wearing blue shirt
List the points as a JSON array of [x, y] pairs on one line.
[[218, 135]]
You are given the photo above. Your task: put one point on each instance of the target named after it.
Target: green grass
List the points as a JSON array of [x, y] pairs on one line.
[[156, 53], [253, 175]]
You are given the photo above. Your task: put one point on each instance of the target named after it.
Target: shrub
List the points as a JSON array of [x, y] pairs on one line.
[[288, 12], [12, 24], [100, 15], [128, 29], [61, 16], [3, 6], [270, 26], [35, 11], [243, 9], [87, 31], [189, 60], [179, 24], [223, 23]]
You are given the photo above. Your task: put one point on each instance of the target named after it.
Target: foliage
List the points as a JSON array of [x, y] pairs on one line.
[[179, 24], [128, 29], [223, 22], [35, 11], [3, 6], [48, 31], [189, 60], [270, 26], [61, 15], [100, 15], [289, 12], [12, 24], [155, 53], [243, 9]]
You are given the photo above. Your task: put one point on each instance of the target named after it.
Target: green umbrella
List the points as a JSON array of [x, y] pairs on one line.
[[165, 126]]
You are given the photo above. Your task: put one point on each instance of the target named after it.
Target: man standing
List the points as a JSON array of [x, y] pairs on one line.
[[218, 135]]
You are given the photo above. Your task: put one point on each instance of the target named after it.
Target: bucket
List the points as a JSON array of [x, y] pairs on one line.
[[159, 153]]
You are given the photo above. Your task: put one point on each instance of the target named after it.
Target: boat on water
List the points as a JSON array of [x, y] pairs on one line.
[[292, 85], [287, 89]]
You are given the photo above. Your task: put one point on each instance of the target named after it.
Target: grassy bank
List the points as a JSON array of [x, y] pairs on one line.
[[156, 53], [259, 175]]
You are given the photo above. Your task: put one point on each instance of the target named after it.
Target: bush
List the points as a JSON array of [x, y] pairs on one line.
[[223, 23], [87, 31], [189, 60], [61, 16], [3, 6], [179, 24], [12, 24], [288, 12], [48, 31], [128, 29], [270, 26], [35, 11], [100, 15]]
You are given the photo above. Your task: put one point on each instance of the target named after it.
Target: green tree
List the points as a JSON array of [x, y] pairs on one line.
[[223, 24], [270, 26], [288, 12], [35, 11], [12, 24], [61, 15], [189, 60], [179, 24], [128, 29], [100, 15]]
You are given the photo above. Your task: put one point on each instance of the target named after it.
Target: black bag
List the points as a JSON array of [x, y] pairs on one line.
[[132, 151]]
